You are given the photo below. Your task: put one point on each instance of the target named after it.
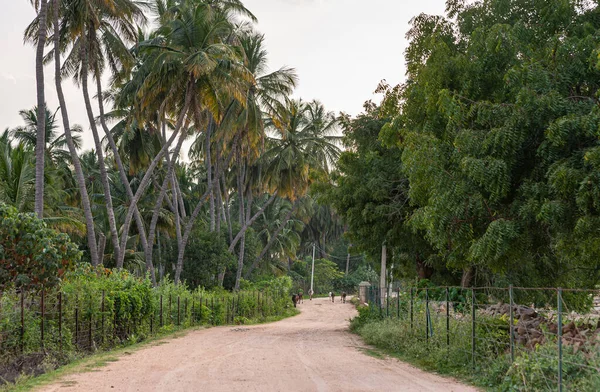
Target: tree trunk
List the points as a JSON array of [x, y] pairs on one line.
[[249, 222], [240, 266], [190, 224], [209, 168], [148, 176], [122, 174], [227, 209], [101, 246], [98, 144], [160, 198], [467, 277], [273, 239], [217, 193], [79, 176], [40, 146], [424, 271]]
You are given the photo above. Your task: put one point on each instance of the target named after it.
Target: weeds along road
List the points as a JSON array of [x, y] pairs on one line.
[[310, 352]]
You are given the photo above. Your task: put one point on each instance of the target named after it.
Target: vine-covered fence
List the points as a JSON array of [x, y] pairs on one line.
[[529, 338], [41, 329]]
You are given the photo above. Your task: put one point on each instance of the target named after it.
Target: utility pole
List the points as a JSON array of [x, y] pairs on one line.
[[348, 260], [312, 273], [382, 280]]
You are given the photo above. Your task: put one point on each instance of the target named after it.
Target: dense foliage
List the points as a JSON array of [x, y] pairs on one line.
[[31, 254], [202, 160], [489, 149]]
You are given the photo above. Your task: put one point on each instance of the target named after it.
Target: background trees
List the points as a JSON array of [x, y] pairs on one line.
[[198, 73], [493, 139]]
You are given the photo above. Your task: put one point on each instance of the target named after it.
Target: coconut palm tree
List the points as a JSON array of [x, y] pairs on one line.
[[41, 108], [55, 143], [17, 174], [302, 141]]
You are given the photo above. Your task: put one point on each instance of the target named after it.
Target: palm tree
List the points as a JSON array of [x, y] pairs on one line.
[[192, 56], [302, 142], [55, 143], [17, 174], [41, 109]]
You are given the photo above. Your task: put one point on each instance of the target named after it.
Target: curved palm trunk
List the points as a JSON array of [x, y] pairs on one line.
[[40, 146], [241, 191], [209, 175], [159, 201], [190, 224], [273, 239], [85, 200], [113, 146], [250, 221], [227, 209], [146, 180], [103, 173]]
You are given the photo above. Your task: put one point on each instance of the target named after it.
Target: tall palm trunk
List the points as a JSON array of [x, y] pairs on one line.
[[40, 146], [273, 238], [227, 209], [122, 174], [209, 174], [98, 144], [241, 191], [85, 200], [146, 180], [217, 193], [250, 221], [190, 223], [159, 200]]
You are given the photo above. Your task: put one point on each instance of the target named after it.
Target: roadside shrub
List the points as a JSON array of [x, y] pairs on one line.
[[31, 254]]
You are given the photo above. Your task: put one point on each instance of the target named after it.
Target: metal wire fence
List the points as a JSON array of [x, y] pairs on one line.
[[43, 328], [529, 338]]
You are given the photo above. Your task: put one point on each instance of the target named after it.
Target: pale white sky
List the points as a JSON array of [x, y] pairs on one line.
[[341, 49]]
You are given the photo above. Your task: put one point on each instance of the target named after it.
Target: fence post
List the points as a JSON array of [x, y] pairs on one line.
[[77, 322], [398, 304], [387, 304], [102, 306], [178, 311], [185, 309], [447, 317], [473, 328], [200, 317], [90, 326], [427, 315], [226, 310], [161, 311], [170, 307], [60, 342], [412, 305], [512, 324], [212, 310], [42, 318], [559, 334], [22, 320]]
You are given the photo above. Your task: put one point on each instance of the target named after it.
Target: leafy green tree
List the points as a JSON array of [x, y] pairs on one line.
[[31, 254], [498, 131]]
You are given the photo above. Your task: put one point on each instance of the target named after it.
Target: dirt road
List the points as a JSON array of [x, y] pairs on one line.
[[310, 352]]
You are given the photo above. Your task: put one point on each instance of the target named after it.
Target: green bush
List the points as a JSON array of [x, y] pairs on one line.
[[31, 254]]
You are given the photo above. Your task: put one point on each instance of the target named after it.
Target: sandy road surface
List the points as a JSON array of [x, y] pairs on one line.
[[310, 352]]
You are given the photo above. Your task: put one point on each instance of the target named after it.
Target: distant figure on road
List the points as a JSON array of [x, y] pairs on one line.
[[310, 293], [343, 296], [300, 298], [332, 295], [295, 299]]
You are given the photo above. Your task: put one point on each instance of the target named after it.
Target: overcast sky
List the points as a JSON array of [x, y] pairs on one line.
[[341, 49]]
